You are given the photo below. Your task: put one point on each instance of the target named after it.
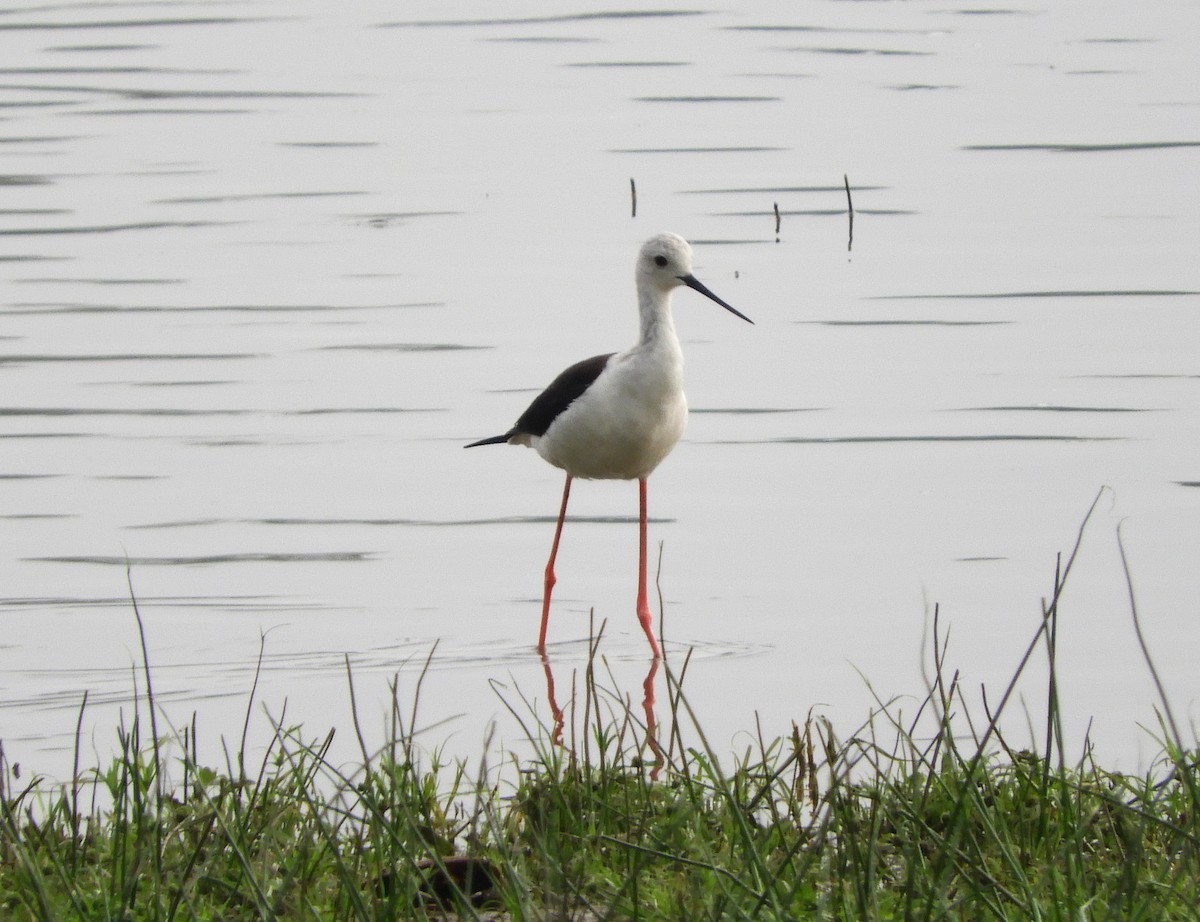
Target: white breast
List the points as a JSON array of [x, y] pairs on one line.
[[626, 423]]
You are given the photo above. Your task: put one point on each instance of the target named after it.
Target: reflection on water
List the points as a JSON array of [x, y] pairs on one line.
[[265, 271], [561, 713]]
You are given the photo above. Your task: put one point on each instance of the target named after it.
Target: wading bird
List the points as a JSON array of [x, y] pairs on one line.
[[616, 416]]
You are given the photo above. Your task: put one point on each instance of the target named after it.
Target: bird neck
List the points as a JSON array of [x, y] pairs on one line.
[[658, 329]]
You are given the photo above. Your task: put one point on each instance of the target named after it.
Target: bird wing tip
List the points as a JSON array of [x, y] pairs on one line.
[[490, 440]]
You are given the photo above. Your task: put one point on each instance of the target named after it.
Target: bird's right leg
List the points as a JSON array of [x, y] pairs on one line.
[[550, 580], [643, 604]]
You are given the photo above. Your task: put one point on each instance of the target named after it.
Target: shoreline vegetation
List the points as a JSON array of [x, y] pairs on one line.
[[952, 822]]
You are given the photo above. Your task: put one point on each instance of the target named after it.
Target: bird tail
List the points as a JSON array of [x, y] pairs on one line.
[[493, 440]]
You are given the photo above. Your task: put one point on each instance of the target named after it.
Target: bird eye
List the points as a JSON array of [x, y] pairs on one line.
[[660, 260]]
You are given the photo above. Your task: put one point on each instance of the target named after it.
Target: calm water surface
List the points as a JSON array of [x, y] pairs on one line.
[[267, 266]]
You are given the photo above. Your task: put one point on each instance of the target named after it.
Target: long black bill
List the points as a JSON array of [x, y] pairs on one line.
[[692, 282]]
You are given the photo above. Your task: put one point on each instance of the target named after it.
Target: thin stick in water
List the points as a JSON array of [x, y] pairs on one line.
[[850, 211], [778, 220], [633, 197]]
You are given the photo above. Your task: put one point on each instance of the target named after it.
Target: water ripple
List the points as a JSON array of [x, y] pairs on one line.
[[209, 559], [629, 64], [134, 23], [228, 603], [403, 522], [1048, 293], [539, 20], [1085, 148], [757, 190], [706, 99], [35, 358], [37, 308], [696, 150], [1049, 408], [106, 228], [40, 412], [751, 411], [906, 323], [894, 439], [193, 679]]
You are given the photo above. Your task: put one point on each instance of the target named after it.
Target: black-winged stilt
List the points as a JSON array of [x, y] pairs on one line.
[[616, 416]]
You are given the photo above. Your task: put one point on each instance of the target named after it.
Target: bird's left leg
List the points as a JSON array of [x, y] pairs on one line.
[[548, 585]]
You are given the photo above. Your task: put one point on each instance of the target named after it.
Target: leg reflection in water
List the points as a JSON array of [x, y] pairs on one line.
[[556, 714], [651, 723], [558, 718]]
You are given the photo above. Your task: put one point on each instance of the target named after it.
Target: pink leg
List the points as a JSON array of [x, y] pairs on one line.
[[550, 580], [556, 714], [643, 606], [651, 723]]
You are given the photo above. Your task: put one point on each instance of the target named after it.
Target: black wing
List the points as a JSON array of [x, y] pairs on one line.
[[562, 392]]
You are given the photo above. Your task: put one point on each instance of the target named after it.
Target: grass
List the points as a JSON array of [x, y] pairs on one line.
[[616, 823]]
